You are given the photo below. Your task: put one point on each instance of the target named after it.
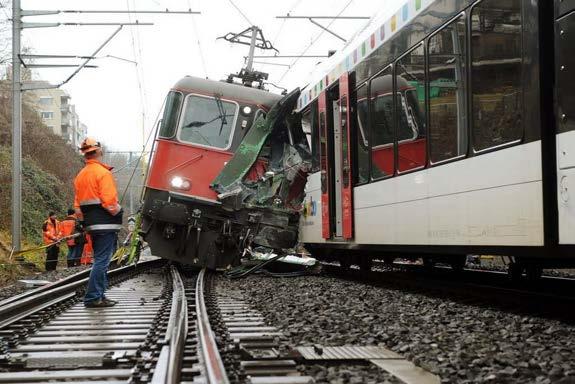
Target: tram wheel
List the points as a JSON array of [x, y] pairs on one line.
[[458, 263], [515, 271], [365, 264], [428, 263], [388, 260], [534, 273], [345, 262]]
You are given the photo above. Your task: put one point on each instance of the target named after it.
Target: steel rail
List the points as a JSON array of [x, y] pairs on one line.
[[58, 283], [214, 365], [168, 366], [26, 305]]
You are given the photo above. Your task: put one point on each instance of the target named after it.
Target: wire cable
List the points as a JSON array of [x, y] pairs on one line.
[[139, 68], [241, 13], [275, 39], [202, 58], [141, 155], [314, 41]]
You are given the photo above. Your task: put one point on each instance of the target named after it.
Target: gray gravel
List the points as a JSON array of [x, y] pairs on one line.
[[461, 343], [17, 288]]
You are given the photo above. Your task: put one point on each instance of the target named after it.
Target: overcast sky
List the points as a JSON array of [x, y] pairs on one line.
[[112, 99]]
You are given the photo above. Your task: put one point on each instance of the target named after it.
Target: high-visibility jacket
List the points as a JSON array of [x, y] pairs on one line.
[[68, 227], [96, 198], [50, 231]]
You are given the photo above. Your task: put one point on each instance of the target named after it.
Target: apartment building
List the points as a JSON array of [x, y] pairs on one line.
[[57, 112]]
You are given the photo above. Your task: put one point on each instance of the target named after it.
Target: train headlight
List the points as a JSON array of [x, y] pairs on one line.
[[178, 182], [246, 110]]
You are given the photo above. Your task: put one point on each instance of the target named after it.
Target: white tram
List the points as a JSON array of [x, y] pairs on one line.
[[445, 129]]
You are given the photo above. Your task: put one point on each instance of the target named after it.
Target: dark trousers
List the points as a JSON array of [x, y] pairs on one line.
[[104, 244], [74, 254], [52, 257]]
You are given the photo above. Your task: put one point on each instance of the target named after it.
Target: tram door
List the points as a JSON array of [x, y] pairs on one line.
[[335, 159], [325, 169], [343, 172], [565, 79]]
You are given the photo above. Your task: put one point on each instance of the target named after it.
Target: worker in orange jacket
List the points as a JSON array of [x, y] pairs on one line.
[[51, 235], [70, 226], [96, 205]]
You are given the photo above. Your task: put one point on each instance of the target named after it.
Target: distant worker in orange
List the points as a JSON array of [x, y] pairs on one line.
[[96, 204], [51, 234], [70, 226]]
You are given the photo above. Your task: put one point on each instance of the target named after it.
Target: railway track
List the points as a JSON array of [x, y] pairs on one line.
[[169, 326], [550, 297]]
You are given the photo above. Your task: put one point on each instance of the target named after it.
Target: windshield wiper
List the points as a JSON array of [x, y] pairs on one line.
[[198, 124], [221, 111]]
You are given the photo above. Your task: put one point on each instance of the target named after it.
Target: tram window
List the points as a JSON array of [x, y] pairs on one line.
[[361, 137], [447, 95], [496, 73], [170, 116], [382, 147], [311, 130], [208, 121], [410, 110], [344, 141]]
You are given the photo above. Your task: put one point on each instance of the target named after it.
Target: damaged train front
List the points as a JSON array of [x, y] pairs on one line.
[[228, 171]]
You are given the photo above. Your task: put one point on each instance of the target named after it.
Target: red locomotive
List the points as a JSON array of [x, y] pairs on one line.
[[192, 213]]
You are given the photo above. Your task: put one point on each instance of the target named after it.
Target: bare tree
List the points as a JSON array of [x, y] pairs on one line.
[[5, 35]]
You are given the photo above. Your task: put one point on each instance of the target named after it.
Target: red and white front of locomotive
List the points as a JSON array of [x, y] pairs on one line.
[[197, 136]]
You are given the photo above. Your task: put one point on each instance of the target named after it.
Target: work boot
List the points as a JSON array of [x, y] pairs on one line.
[[100, 303], [114, 302]]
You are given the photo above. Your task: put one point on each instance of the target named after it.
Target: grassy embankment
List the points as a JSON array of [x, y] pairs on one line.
[[49, 166]]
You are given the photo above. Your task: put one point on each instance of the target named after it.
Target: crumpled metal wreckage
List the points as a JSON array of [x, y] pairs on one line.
[[276, 141]]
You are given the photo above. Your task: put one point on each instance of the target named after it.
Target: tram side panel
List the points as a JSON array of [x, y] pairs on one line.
[[494, 199], [565, 84]]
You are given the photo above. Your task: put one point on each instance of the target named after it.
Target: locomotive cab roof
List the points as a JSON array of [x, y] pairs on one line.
[[190, 84]]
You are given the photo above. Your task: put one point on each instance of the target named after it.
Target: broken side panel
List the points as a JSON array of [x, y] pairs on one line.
[[346, 173], [324, 164], [251, 145]]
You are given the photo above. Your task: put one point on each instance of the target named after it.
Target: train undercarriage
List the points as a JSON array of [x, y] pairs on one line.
[[203, 234]]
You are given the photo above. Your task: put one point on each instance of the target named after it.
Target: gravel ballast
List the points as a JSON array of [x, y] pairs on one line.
[[461, 343], [17, 288]]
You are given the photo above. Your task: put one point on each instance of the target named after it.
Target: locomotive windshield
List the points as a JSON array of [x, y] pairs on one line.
[[207, 121]]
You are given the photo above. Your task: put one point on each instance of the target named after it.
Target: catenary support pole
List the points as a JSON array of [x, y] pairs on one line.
[[252, 48], [16, 128]]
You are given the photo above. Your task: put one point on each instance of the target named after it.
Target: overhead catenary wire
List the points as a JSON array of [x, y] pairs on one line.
[[280, 30], [202, 57], [241, 13], [152, 130], [139, 70], [313, 41]]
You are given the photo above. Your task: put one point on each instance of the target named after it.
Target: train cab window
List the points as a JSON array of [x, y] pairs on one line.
[[382, 146], [169, 121], [361, 137], [446, 88], [310, 127], [496, 62], [208, 121], [410, 110]]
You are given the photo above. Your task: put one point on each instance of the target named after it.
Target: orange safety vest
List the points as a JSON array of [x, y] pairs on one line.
[[96, 198], [50, 231], [68, 226]]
